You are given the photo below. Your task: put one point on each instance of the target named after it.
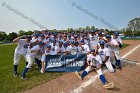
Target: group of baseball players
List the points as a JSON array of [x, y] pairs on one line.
[[100, 48]]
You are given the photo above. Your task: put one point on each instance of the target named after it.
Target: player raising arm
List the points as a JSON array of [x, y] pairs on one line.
[[20, 50]]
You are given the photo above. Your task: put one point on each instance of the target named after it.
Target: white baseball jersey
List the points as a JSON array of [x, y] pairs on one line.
[[67, 49], [22, 47], [47, 53], [93, 40], [94, 60], [85, 48], [43, 40], [34, 40], [115, 42], [104, 52], [60, 49], [78, 49], [50, 52], [35, 48]]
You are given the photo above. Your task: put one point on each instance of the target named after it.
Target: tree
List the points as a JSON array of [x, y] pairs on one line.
[[93, 28], [70, 29], [3, 36], [12, 36], [21, 33], [29, 33], [134, 25], [128, 32], [87, 28]]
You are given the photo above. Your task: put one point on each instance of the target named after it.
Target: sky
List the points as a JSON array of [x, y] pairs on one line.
[[16, 15]]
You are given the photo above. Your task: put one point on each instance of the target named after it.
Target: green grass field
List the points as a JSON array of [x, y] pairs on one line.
[[9, 84]]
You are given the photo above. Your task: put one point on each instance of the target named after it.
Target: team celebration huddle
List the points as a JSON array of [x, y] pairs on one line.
[[101, 49]]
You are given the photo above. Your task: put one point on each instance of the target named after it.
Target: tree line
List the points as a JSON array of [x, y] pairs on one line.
[[133, 29]]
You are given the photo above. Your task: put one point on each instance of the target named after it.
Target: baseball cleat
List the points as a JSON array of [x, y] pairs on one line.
[[111, 84], [108, 86], [119, 67], [15, 74], [23, 78], [42, 71], [78, 75]]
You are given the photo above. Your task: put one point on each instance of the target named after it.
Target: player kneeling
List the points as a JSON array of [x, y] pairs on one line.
[[94, 61]]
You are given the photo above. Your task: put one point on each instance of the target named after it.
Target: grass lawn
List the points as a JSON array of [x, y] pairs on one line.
[[125, 45], [9, 84]]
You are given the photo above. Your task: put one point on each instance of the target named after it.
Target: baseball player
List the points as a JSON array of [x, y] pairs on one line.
[[83, 37], [116, 44], [42, 39], [94, 61], [75, 47], [108, 45], [84, 47], [93, 40], [104, 52], [20, 50], [31, 54], [67, 48], [60, 48], [54, 45], [48, 51]]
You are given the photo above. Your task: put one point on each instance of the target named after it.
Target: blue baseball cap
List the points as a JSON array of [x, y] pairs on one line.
[[60, 42], [65, 44], [29, 37], [48, 33], [108, 36], [92, 50], [76, 36], [40, 43], [48, 46], [55, 33], [82, 41], [116, 33], [72, 32], [36, 34], [53, 40], [102, 42], [42, 35]]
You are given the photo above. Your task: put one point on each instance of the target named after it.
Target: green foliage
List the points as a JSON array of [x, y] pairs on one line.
[[21, 33], [3, 36], [12, 36], [134, 24], [125, 45], [133, 28], [87, 28]]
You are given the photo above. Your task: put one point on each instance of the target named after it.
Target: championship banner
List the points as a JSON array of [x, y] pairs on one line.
[[65, 63]]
